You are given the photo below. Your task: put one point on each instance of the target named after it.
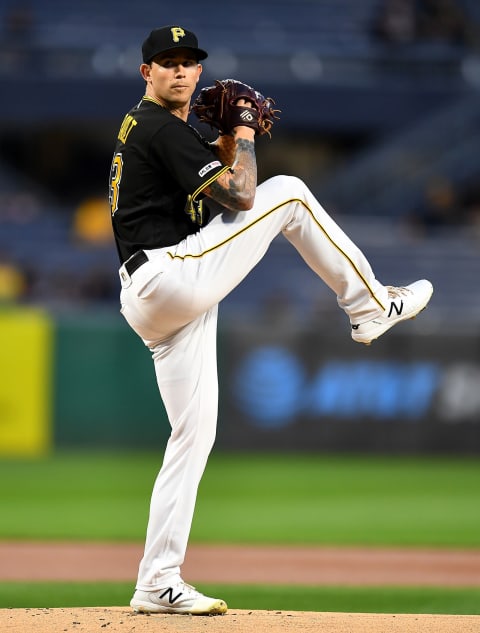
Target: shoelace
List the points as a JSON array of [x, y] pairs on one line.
[[188, 589], [394, 292]]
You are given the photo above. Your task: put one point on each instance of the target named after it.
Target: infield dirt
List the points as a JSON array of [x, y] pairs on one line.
[[239, 564]]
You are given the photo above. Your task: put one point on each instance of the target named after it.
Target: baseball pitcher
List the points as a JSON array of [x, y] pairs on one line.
[[190, 222]]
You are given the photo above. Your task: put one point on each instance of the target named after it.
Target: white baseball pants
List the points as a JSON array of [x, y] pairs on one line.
[[171, 303]]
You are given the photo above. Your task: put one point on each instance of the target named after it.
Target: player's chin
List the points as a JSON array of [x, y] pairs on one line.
[[182, 92], [179, 98]]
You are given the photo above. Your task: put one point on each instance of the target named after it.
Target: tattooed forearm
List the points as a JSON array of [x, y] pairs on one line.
[[236, 189], [244, 169], [246, 154]]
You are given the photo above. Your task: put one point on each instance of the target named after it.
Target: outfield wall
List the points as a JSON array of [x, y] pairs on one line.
[[408, 392], [87, 381]]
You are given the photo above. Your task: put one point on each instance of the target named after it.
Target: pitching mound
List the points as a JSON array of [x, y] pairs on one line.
[[319, 566], [123, 620]]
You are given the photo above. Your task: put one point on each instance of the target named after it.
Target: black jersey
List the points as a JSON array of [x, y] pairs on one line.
[[160, 168]]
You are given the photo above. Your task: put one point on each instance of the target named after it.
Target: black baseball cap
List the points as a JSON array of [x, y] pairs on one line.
[[168, 37]]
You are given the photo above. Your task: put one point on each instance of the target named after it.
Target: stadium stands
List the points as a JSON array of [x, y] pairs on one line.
[[335, 74]]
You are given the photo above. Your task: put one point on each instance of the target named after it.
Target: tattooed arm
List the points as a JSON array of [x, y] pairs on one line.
[[235, 189]]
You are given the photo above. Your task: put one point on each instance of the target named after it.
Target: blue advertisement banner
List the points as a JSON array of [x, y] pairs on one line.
[[306, 391]]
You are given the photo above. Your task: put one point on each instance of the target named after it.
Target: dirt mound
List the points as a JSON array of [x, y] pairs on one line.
[[122, 620], [239, 564]]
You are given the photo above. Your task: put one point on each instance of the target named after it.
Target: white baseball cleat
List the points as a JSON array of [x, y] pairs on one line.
[[179, 598], [403, 303]]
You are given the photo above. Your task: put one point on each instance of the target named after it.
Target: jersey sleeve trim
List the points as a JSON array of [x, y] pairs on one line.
[[208, 182]]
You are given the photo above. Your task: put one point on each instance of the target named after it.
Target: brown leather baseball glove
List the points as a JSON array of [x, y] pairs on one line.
[[217, 106]]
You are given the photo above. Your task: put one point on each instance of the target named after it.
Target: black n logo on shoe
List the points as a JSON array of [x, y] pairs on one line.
[[171, 597], [398, 310]]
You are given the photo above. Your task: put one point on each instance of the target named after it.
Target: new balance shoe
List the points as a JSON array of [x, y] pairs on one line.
[[403, 303], [179, 598]]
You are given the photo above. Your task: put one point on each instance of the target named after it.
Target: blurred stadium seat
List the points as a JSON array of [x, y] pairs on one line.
[[398, 115]]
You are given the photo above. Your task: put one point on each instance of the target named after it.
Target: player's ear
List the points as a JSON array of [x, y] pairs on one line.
[[200, 68], [145, 71]]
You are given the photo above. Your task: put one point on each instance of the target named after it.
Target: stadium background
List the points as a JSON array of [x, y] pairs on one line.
[[380, 117]]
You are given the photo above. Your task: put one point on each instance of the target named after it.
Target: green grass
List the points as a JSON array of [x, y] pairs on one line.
[[309, 499], [339, 599], [342, 500]]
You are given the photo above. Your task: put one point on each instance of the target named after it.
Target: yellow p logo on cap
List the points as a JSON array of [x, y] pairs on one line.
[[177, 33]]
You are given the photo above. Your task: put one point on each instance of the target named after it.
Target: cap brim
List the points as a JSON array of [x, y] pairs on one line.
[[199, 53]]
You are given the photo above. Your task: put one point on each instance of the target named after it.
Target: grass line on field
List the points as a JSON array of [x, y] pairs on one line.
[[456, 601]]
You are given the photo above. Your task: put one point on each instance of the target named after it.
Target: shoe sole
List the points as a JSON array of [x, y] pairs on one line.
[[405, 318], [217, 608]]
